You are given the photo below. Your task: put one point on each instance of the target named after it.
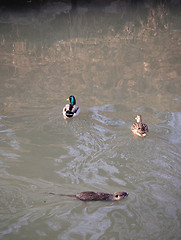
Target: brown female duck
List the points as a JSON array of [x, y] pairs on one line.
[[140, 129]]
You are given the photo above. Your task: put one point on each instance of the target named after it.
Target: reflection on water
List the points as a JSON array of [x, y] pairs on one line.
[[118, 61]]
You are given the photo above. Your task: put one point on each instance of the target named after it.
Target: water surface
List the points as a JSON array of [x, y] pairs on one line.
[[118, 61]]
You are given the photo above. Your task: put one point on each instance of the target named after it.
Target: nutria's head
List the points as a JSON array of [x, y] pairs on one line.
[[138, 118], [119, 195]]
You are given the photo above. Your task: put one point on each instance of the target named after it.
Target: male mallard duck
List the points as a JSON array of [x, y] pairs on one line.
[[139, 128], [71, 110]]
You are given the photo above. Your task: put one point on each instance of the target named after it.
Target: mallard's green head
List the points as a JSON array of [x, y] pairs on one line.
[[72, 100]]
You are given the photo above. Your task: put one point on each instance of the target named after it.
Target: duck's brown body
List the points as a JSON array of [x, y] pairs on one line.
[[97, 196]]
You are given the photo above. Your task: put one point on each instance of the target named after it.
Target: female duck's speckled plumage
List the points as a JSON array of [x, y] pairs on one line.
[[71, 110], [140, 129]]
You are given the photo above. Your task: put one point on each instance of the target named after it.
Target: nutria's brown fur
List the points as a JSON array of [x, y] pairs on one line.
[[97, 196]]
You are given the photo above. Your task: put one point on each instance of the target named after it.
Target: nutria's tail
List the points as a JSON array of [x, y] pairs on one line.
[[59, 194]]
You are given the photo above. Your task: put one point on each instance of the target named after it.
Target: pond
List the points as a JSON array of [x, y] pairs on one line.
[[118, 60]]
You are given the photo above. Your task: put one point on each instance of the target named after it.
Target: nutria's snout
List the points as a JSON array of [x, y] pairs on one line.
[[119, 195], [124, 194]]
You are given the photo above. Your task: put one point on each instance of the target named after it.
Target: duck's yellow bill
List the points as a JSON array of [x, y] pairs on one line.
[[67, 99]]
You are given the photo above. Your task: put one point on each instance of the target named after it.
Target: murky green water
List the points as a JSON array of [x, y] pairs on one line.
[[118, 61]]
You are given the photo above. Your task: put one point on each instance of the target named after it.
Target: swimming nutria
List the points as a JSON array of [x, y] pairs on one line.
[[96, 196]]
